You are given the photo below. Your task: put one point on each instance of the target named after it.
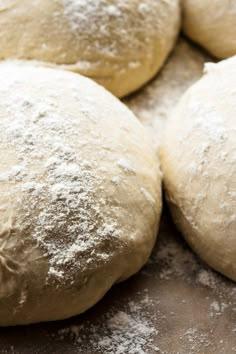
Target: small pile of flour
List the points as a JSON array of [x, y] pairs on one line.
[[120, 331]]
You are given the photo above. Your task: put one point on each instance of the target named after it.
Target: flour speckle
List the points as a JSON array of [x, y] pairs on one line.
[[126, 165], [147, 195]]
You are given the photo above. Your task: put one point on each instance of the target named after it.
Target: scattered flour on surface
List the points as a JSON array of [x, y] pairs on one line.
[[121, 331]]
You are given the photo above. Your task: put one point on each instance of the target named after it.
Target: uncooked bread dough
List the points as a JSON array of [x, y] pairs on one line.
[[212, 24], [80, 193], [120, 44], [198, 158]]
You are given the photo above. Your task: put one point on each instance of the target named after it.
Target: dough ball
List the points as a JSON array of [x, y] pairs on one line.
[[120, 44], [212, 24], [198, 158], [80, 193]]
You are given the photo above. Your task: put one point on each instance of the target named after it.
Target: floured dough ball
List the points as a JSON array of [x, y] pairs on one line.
[[198, 158], [80, 193], [120, 44], [212, 24]]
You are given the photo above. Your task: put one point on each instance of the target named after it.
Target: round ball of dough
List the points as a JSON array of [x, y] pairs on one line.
[[120, 44], [80, 193], [198, 158], [212, 24]]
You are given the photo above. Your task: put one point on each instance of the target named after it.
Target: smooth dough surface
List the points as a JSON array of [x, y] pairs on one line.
[[120, 44], [212, 24], [198, 159], [80, 193]]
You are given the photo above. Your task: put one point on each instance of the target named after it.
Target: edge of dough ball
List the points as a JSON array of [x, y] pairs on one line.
[[199, 166], [212, 24], [121, 45], [80, 193]]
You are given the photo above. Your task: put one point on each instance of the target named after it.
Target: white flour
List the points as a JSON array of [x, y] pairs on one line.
[[129, 331]]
